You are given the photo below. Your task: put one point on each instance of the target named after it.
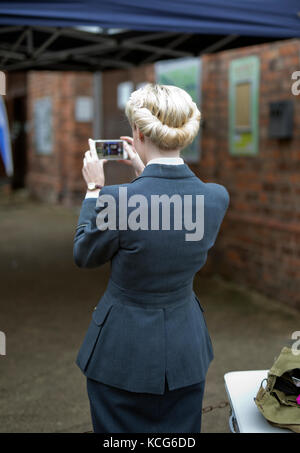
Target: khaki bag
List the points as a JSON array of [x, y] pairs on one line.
[[277, 401]]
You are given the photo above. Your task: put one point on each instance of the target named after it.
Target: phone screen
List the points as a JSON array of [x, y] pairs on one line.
[[110, 149]]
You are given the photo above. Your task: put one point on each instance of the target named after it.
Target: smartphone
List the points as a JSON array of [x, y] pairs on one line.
[[110, 149]]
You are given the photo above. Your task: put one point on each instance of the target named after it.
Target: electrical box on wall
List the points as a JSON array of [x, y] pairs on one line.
[[281, 119]]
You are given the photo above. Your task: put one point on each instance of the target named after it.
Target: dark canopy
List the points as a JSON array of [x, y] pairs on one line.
[[269, 18], [119, 34]]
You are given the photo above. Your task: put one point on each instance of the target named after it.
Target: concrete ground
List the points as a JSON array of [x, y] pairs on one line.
[[45, 308]]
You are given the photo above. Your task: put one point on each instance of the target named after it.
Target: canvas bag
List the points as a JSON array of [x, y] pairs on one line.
[[279, 407]]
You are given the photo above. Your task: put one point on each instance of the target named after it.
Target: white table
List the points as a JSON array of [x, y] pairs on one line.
[[241, 388]]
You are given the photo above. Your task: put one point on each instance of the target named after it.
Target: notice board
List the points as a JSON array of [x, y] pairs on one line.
[[243, 106], [184, 73]]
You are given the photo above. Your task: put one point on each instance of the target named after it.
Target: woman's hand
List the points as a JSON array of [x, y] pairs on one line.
[[134, 159], [93, 170]]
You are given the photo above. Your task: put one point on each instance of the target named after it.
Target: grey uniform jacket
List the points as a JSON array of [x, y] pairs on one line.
[[149, 323]]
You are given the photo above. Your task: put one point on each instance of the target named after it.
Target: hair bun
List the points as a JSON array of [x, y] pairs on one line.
[[164, 113]]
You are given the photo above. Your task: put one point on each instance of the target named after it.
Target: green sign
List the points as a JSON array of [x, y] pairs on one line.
[[243, 106], [184, 73]]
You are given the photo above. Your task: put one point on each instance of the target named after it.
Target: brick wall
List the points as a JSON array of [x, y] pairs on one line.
[[259, 243], [57, 177], [114, 120]]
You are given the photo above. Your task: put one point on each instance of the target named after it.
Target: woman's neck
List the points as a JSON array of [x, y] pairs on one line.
[[152, 154]]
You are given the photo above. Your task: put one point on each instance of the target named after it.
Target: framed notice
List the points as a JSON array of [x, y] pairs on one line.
[[2, 83], [124, 90], [243, 106], [84, 106], [186, 74], [43, 125]]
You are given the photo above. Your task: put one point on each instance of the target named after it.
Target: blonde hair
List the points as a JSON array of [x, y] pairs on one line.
[[164, 113]]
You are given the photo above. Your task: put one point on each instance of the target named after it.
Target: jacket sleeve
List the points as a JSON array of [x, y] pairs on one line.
[[93, 247], [220, 203]]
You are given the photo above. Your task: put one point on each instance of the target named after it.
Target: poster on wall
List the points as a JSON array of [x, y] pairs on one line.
[[84, 106], [243, 106], [186, 74], [124, 90], [43, 125]]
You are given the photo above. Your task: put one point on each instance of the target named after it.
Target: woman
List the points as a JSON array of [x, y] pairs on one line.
[[147, 349]]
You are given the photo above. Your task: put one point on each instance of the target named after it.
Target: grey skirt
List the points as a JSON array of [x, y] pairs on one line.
[[115, 410]]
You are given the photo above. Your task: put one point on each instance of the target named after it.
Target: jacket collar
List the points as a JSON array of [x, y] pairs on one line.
[[166, 161], [166, 171]]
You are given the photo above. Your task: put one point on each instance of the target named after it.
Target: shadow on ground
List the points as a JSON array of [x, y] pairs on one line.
[[45, 309]]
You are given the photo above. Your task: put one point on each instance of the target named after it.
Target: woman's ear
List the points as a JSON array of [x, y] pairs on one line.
[[141, 136]]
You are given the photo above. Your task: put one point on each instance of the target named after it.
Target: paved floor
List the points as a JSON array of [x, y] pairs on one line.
[[45, 309]]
